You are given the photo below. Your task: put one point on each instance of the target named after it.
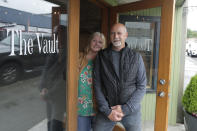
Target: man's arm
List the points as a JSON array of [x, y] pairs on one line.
[[134, 102], [101, 101]]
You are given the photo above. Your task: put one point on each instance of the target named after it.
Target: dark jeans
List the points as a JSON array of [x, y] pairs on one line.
[[85, 123], [131, 122]]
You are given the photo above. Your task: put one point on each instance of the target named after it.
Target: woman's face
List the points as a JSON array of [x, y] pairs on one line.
[[96, 43]]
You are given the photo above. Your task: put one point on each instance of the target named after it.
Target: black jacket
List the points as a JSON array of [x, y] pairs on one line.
[[126, 90]]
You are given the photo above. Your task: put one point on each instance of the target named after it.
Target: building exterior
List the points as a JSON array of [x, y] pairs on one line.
[[157, 31]]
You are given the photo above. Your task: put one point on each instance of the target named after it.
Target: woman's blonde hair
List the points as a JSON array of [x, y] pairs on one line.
[[101, 35]]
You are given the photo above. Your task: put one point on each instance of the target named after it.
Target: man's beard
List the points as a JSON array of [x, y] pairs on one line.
[[116, 43]]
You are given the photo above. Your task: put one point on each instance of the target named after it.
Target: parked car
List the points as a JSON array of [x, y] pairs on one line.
[[2, 34], [191, 49], [20, 58]]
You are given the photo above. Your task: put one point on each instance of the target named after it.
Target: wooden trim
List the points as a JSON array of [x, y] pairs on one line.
[[113, 17], [113, 20], [105, 3], [55, 17], [59, 10], [72, 70], [140, 5], [165, 51], [105, 23]]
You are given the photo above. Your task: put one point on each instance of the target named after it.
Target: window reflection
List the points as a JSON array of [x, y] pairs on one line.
[[143, 37], [27, 46]]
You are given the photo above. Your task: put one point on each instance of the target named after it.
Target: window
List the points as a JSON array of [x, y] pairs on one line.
[[143, 37], [31, 59]]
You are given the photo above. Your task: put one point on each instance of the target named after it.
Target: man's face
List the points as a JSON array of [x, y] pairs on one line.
[[118, 35]]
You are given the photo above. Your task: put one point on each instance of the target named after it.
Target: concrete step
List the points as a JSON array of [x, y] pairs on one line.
[[146, 126]]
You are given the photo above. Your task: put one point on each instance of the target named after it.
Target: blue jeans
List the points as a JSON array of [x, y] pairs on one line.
[[131, 122], [85, 123]]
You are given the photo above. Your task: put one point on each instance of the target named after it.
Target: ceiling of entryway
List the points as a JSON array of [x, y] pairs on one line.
[[111, 2], [119, 2], [59, 2], [126, 1]]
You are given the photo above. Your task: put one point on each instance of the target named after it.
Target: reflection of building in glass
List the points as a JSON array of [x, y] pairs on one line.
[[20, 20], [141, 35], [143, 44], [141, 39]]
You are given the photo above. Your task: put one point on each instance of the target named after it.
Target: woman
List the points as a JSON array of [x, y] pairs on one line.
[[86, 106]]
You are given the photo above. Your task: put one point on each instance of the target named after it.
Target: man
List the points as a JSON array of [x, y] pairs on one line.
[[119, 84]]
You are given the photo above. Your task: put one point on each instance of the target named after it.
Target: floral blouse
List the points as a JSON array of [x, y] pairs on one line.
[[85, 98]]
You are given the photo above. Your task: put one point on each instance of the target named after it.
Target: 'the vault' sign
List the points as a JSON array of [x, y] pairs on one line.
[[26, 46]]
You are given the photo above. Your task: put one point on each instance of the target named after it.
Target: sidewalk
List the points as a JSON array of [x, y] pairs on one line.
[[42, 126], [147, 126]]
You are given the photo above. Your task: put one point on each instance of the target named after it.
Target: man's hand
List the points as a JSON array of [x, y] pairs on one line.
[[115, 116], [118, 109]]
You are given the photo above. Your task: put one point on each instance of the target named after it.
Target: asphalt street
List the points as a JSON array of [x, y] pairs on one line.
[[20, 105], [190, 69]]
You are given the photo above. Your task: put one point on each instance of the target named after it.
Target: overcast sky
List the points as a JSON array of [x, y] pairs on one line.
[[192, 15], [32, 6]]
